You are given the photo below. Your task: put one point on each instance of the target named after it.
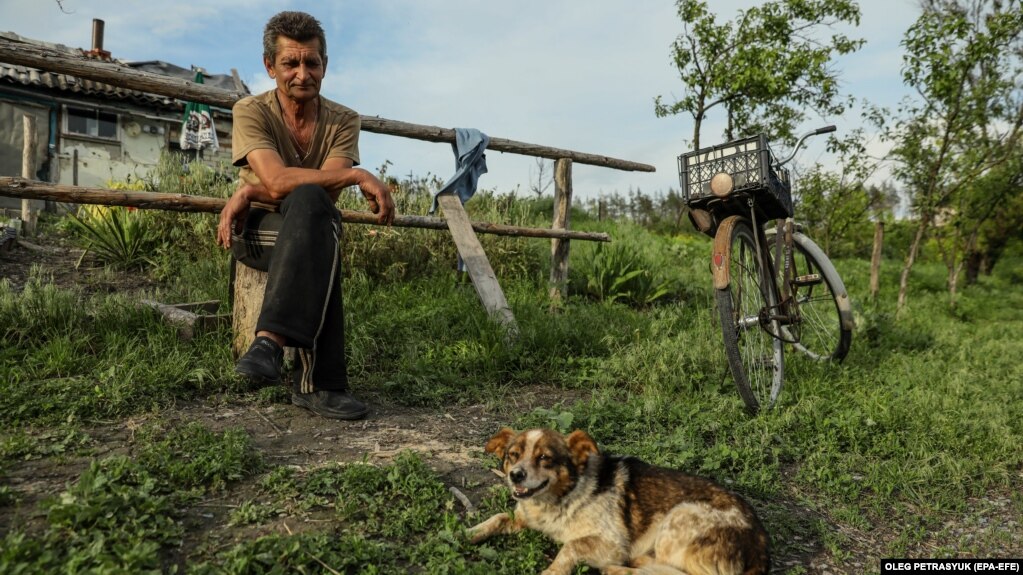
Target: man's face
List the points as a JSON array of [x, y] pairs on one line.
[[299, 68]]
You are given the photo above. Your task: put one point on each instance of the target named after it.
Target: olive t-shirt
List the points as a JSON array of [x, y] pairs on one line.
[[258, 124]]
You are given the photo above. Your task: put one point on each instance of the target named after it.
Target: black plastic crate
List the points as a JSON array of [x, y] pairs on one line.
[[748, 161]]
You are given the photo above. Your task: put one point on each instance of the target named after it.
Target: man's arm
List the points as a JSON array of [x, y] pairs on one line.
[[336, 174], [277, 180]]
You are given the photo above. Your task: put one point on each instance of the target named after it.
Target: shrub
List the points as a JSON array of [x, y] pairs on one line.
[[116, 235], [637, 268]]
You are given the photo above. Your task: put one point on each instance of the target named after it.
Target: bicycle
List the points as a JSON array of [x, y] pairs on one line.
[[772, 287]]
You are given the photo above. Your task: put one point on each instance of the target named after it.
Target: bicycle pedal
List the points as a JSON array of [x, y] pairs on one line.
[[807, 280]]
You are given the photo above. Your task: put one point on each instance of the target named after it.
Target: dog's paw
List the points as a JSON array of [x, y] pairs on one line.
[[474, 535], [479, 533], [500, 523]]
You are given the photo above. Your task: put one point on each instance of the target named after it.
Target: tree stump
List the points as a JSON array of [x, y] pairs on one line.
[[249, 285]]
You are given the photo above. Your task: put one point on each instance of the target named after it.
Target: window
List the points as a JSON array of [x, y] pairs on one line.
[[92, 123]]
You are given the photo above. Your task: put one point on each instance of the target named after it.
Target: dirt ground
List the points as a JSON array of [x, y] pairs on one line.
[[449, 441]]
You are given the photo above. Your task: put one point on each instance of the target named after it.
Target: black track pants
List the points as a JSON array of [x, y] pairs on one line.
[[298, 247]]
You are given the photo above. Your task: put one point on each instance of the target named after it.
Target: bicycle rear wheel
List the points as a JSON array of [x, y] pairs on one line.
[[826, 329], [755, 357]]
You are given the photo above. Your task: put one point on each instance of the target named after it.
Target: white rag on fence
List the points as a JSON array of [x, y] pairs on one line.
[[197, 130]]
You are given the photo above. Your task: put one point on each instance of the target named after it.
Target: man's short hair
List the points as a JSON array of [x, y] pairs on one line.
[[297, 26]]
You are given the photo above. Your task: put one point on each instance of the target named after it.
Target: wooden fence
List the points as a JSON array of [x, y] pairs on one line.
[[34, 55]]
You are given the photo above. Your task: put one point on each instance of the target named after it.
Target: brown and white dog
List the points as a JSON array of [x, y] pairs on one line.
[[619, 514]]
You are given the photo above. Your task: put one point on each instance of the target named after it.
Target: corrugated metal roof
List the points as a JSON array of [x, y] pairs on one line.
[[32, 77]]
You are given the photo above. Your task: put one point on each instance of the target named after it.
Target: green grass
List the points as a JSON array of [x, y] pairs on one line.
[[918, 430], [123, 515], [68, 356], [384, 519]]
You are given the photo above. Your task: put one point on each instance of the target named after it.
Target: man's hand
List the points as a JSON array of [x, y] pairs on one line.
[[232, 217], [379, 197]]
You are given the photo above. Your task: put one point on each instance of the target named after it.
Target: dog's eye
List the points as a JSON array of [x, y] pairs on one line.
[[513, 455], [543, 457]]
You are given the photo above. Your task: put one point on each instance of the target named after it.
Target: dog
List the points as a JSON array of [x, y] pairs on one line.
[[619, 514]]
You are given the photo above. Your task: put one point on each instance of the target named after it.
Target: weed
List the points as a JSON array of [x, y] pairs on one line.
[[7, 496], [554, 418], [618, 273], [116, 235], [376, 509], [194, 457], [123, 514], [250, 512]]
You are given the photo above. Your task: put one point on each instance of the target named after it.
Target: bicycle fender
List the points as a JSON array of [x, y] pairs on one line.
[[845, 312], [721, 255]]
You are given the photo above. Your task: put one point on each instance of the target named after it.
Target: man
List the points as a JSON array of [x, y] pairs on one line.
[[297, 151]]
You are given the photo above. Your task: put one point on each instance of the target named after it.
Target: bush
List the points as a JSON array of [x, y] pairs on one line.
[[637, 268], [117, 236]]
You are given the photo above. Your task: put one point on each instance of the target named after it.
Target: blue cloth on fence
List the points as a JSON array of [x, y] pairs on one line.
[[470, 164]]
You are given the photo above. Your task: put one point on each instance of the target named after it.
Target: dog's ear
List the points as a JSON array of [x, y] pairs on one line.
[[582, 446], [499, 443]]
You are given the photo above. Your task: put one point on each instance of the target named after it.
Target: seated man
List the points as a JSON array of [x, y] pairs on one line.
[[297, 151]]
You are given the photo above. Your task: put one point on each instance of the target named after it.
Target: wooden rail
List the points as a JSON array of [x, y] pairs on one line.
[[30, 54], [31, 189]]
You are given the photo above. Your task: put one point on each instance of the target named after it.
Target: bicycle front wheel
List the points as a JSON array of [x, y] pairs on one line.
[[746, 307], [827, 320]]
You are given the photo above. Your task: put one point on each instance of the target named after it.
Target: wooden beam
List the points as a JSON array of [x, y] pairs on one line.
[[34, 55], [16, 51], [22, 188], [185, 318], [380, 125], [480, 271]]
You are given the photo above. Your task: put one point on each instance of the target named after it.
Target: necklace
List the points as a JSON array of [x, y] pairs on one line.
[[301, 150]]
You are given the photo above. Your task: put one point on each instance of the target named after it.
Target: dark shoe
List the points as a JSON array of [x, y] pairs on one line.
[[262, 363], [332, 404]]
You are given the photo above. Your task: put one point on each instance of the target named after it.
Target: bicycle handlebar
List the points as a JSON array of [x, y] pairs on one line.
[[799, 143]]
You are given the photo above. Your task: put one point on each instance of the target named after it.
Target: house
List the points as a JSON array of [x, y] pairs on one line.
[[89, 133]]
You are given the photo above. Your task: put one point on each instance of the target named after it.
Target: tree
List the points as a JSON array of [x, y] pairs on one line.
[[963, 58], [835, 203], [544, 177], [766, 68], [995, 218], [838, 211]]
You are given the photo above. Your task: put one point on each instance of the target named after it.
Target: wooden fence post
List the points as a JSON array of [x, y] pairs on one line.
[[559, 247], [875, 261], [29, 214]]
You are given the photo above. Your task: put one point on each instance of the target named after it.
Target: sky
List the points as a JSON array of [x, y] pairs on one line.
[[574, 74]]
